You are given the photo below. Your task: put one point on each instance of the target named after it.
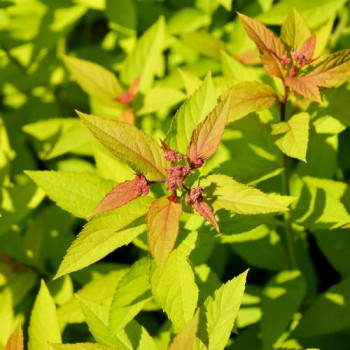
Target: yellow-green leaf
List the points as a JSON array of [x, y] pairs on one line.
[[105, 233], [82, 346], [129, 144], [231, 195], [292, 136], [15, 342], [43, 325], [95, 80]]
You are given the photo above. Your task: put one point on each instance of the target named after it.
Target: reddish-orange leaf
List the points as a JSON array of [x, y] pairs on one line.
[[308, 47], [270, 46], [127, 116], [205, 210], [207, 136], [163, 219], [122, 194], [332, 70], [15, 342], [305, 86]]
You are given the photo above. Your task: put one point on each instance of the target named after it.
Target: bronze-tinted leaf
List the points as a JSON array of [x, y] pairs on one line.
[[305, 86], [270, 46], [163, 226], [332, 70], [207, 136], [15, 342], [121, 194], [206, 211], [308, 47]]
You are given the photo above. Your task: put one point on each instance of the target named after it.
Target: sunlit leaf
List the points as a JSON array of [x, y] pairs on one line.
[[15, 342]]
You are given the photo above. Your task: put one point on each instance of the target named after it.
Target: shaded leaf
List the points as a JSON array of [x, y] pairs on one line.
[[95, 80], [129, 144], [104, 234], [162, 228], [207, 136], [292, 136], [43, 325], [81, 346]]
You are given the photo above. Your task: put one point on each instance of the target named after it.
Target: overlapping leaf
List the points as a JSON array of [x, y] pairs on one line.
[[15, 342], [129, 144]]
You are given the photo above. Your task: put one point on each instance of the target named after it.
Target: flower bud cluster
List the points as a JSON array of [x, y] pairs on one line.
[[300, 58], [172, 156], [195, 195], [141, 184], [176, 176], [197, 163]]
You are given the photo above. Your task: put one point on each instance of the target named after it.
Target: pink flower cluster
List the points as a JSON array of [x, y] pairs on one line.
[[172, 156], [195, 195], [141, 184], [176, 176], [300, 58]]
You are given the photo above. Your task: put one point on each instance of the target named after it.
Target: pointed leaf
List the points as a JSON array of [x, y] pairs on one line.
[[129, 144], [174, 288], [294, 30], [308, 47], [250, 96], [206, 211], [190, 81], [221, 311], [81, 346], [132, 293], [43, 326], [293, 135], [207, 136], [77, 193], [305, 86], [238, 198], [185, 339], [332, 70], [162, 228], [105, 233], [190, 114], [119, 195], [15, 342], [95, 80], [143, 61], [271, 48]]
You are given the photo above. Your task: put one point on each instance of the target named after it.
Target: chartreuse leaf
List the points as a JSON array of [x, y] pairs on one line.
[[221, 311], [238, 198], [294, 30], [335, 304], [143, 61], [267, 43], [174, 287], [95, 80], [190, 81], [190, 114], [132, 293], [163, 219], [281, 298], [104, 234], [43, 325], [77, 193], [15, 342], [332, 70], [292, 136], [185, 339], [206, 138], [250, 96], [139, 150], [81, 346], [132, 337]]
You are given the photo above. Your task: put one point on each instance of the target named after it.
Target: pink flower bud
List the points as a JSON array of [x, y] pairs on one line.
[[141, 184], [195, 195], [285, 59], [197, 162]]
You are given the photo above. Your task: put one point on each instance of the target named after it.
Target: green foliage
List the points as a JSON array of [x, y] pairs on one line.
[[207, 146]]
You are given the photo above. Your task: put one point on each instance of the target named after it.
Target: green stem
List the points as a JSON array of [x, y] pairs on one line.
[[290, 243]]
